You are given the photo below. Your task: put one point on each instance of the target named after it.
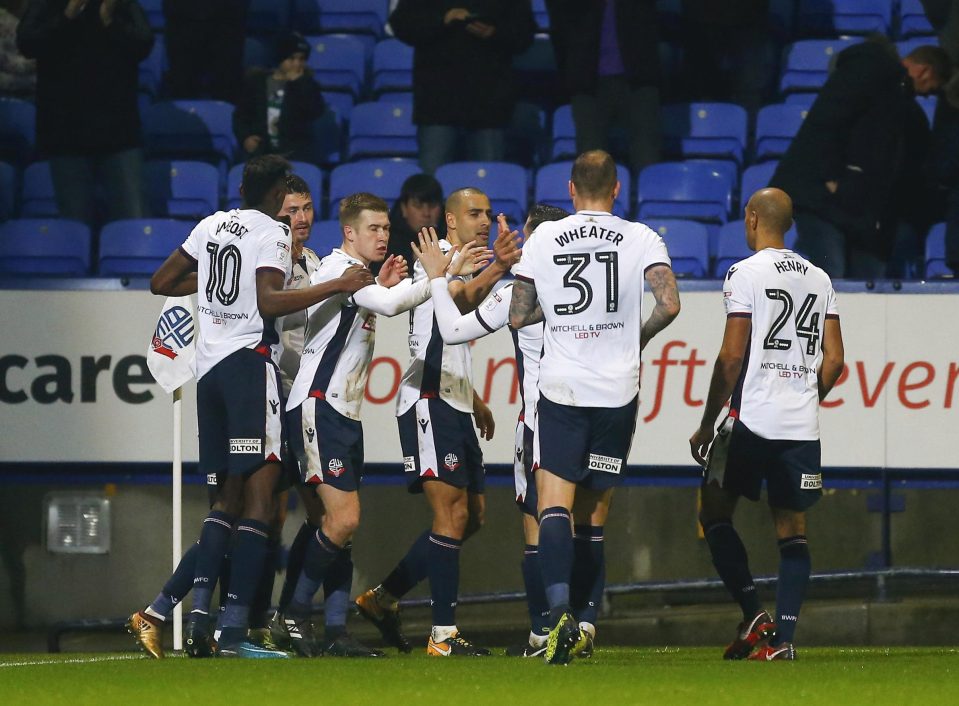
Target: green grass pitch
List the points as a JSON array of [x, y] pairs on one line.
[[834, 676]]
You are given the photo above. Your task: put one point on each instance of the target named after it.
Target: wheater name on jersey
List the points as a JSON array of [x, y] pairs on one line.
[[584, 231]]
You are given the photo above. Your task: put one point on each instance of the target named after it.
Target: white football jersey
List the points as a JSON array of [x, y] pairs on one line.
[[788, 299], [293, 326], [588, 270], [340, 334], [436, 369], [230, 247]]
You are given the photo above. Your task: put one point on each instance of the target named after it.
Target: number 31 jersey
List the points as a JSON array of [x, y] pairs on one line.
[[788, 300], [588, 270], [230, 247]]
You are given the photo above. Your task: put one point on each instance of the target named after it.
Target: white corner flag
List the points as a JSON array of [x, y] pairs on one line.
[[171, 360]]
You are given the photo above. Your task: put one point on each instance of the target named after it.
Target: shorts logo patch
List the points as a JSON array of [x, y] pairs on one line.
[[335, 467], [310, 433], [811, 481], [409, 464], [245, 446], [211, 479], [451, 462], [607, 464]]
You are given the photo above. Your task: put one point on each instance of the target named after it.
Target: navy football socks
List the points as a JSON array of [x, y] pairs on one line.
[[794, 568], [320, 554], [535, 593], [294, 562], [556, 558], [177, 586], [336, 591], [589, 573], [412, 568], [444, 575], [732, 565], [248, 557], [213, 544], [260, 609]]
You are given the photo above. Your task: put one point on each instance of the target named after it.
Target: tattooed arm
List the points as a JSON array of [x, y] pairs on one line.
[[662, 284], [524, 309]]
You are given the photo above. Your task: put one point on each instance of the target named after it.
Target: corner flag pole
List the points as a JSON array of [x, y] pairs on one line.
[[177, 508]]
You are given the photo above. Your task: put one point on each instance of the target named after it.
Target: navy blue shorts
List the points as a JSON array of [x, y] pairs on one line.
[[328, 446], [523, 479], [584, 445], [440, 442], [239, 410], [739, 461]]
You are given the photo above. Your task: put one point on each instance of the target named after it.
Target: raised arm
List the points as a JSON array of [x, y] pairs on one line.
[[662, 283], [833, 356], [391, 301], [524, 309], [726, 371], [468, 295], [273, 300]]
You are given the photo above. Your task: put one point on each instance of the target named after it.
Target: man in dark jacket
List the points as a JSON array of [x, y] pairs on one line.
[[278, 106], [607, 52], [856, 146], [463, 84], [88, 122]]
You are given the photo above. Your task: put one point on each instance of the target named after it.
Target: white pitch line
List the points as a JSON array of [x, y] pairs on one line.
[[78, 660]]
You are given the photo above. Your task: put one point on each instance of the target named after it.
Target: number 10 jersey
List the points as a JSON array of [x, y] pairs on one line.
[[788, 299], [588, 270], [229, 248]]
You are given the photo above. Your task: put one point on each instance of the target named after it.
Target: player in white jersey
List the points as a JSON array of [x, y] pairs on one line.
[[441, 454], [782, 352], [240, 261], [493, 315], [579, 275]]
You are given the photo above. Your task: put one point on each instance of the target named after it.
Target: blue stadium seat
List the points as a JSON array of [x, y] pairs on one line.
[[191, 129], [755, 178], [326, 235], [808, 62], [182, 189], [541, 15], [310, 173], [392, 66], [383, 177], [38, 198], [341, 103], [912, 20], [712, 130], [552, 187], [828, 18], [268, 16], [368, 16], [8, 191], [776, 126], [384, 128], [687, 243], [505, 184], [730, 248], [905, 46], [338, 62], [153, 9], [804, 99], [18, 130], [936, 253], [44, 246], [151, 69], [137, 247], [683, 190], [564, 133]]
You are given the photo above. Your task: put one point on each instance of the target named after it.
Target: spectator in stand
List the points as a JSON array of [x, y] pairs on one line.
[[727, 55], [862, 139], [607, 51], [463, 83], [278, 106], [18, 75], [420, 205], [204, 46], [88, 121]]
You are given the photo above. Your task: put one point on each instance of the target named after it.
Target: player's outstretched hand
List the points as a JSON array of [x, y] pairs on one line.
[[699, 444], [393, 271], [470, 258], [355, 278], [506, 245], [483, 417], [434, 260]]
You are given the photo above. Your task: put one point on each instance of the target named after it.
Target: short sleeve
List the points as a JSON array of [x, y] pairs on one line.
[[832, 309], [524, 270], [736, 293], [493, 313], [656, 253], [191, 246], [275, 249]]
